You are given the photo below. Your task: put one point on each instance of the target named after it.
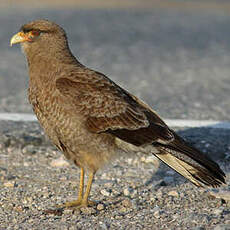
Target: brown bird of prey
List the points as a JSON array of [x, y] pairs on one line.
[[91, 119]]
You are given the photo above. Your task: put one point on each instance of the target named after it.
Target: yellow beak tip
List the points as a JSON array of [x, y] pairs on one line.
[[17, 38]]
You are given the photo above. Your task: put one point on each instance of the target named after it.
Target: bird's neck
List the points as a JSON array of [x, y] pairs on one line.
[[58, 53], [57, 56], [46, 66]]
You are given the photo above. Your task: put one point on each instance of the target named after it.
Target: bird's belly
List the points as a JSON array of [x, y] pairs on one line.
[[68, 132]]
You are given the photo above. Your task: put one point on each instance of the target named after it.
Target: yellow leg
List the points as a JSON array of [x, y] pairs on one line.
[[85, 201], [77, 202], [81, 187], [82, 200]]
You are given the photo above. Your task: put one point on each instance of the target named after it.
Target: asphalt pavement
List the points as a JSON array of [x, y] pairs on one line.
[[176, 61]]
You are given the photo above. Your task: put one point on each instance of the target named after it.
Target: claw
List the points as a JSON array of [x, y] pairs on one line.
[[77, 204]]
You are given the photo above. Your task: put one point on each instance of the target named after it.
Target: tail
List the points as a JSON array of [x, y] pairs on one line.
[[190, 163]]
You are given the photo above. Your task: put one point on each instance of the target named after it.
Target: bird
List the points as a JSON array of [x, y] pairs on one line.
[[91, 119]]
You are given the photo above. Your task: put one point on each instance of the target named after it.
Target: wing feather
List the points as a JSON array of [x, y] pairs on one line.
[[109, 108]]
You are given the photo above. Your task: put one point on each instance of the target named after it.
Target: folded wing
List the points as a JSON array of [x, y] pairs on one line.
[[109, 108]]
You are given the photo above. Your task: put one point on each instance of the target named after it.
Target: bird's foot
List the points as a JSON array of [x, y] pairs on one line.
[[78, 204]]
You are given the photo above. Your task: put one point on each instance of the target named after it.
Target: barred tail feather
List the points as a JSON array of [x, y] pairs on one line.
[[190, 163]]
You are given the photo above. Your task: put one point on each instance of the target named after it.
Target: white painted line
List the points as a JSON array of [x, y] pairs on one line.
[[170, 122], [17, 117], [198, 123]]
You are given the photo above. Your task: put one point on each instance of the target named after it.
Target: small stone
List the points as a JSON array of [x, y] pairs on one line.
[[60, 162], [224, 195], [67, 211], [29, 149], [218, 211], [118, 217], [157, 214], [159, 194], [175, 216], [88, 210], [150, 159], [18, 208], [123, 210], [173, 193], [10, 184], [153, 199], [127, 203], [130, 161], [27, 200], [103, 226], [71, 228], [100, 207], [104, 192], [26, 164], [227, 222], [128, 191]]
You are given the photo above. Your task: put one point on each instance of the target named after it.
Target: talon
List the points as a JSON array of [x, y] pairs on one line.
[[71, 204], [77, 204]]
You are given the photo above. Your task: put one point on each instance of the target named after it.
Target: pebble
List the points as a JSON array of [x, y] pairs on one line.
[[128, 191], [150, 159], [100, 207], [103, 226], [29, 149], [105, 192], [153, 199], [157, 214], [88, 210], [60, 162], [225, 195], [218, 211], [67, 211], [10, 184], [159, 194], [127, 203], [26, 164], [71, 228], [173, 193]]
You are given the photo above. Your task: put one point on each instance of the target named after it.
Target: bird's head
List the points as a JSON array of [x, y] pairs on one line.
[[41, 36]]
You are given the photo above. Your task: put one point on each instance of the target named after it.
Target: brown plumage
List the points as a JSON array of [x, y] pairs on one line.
[[91, 119]]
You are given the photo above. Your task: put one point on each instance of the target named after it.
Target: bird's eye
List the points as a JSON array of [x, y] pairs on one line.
[[35, 33]]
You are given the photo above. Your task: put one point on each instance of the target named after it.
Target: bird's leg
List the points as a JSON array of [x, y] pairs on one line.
[[82, 200], [77, 202], [81, 187], [85, 201]]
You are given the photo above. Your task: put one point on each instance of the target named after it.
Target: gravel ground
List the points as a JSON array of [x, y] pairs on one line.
[[133, 192]]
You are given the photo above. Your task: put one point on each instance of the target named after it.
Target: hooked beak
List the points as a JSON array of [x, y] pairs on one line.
[[18, 38]]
